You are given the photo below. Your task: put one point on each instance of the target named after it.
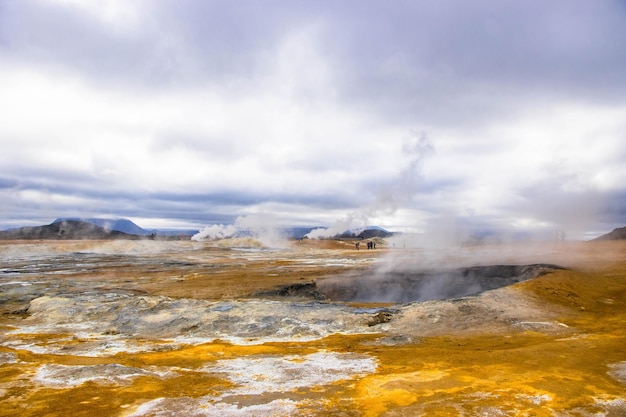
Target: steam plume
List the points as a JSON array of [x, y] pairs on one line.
[[354, 221], [263, 227], [416, 148]]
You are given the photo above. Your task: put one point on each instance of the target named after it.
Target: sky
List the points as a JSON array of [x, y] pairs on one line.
[[481, 116]]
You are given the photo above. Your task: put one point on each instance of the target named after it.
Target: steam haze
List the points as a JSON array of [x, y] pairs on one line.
[[480, 117]]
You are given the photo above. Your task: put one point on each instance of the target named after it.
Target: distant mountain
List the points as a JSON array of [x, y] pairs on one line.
[[296, 232], [118, 225], [65, 230], [103, 228], [617, 234], [368, 233]]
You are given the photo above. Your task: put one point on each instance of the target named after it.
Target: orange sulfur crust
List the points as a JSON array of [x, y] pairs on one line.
[[521, 372]]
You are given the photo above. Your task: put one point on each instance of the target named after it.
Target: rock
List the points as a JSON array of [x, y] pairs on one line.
[[380, 318]]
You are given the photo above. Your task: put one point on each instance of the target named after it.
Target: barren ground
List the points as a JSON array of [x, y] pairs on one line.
[[183, 328]]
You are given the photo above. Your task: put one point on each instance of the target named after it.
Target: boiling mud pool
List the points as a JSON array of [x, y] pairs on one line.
[[153, 329]]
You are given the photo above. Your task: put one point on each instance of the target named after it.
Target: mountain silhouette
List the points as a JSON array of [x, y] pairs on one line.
[[119, 225], [368, 233], [618, 233], [65, 230]]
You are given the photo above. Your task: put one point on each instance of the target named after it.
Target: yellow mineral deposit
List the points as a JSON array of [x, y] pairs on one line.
[[201, 329]]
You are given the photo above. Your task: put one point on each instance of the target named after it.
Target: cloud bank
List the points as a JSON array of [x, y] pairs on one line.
[[194, 113]]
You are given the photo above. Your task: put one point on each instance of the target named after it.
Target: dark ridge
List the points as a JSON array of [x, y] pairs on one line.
[[118, 225], [372, 233], [618, 233], [65, 230], [368, 233], [306, 290]]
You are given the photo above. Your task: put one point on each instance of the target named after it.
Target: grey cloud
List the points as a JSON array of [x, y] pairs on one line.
[[8, 183], [199, 207], [207, 144], [441, 61], [448, 65], [174, 45], [574, 211], [48, 35], [613, 212], [415, 59]]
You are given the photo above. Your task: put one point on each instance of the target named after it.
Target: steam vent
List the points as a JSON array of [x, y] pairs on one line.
[[314, 328]]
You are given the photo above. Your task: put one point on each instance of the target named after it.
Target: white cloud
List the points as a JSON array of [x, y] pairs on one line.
[[118, 14], [304, 112]]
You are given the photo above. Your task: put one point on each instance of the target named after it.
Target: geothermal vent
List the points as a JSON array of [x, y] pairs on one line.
[[408, 286]]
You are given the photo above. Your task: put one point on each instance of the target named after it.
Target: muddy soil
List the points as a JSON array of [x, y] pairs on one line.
[[119, 328], [409, 286]]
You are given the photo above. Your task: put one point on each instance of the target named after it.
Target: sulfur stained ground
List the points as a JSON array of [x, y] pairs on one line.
[[518, 372]]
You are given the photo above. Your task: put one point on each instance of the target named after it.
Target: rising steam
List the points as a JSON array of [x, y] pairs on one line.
[[400, 191], [355, 222], [416, 148], [261, 227]]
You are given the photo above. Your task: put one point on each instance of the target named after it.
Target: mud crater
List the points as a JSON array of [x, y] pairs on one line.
[[403, 286]]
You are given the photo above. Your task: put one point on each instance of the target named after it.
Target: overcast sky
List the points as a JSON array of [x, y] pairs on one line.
[[411, 115]]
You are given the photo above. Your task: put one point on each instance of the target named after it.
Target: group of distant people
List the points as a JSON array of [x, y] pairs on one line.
[[370, 245]]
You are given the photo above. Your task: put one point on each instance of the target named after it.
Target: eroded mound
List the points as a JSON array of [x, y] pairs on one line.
[[409, 286]]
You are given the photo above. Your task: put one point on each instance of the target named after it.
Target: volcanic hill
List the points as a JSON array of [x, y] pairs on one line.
[[65, 230], [619, 233]]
